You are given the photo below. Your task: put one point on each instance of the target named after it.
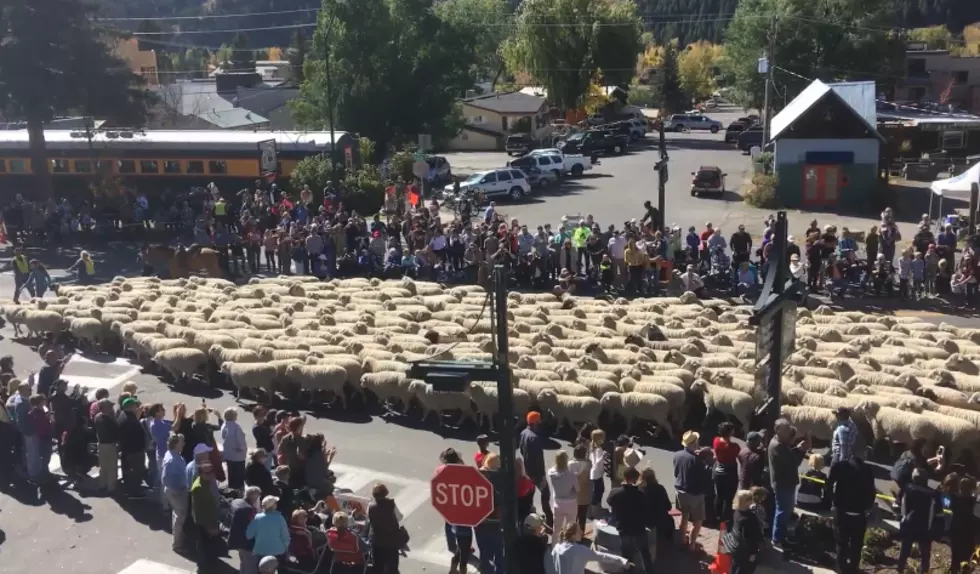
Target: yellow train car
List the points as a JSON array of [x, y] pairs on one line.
[[158, 159]]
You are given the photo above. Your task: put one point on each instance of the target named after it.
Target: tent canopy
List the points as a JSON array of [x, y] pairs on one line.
[[957, 187]]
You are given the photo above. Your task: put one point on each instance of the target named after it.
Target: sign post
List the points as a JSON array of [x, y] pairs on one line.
[[269, 158], [462, 494]]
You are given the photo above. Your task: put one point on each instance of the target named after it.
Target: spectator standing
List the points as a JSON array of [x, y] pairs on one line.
[[243, 510], [564, 484], [107, 434], [525, 490], [659, 521], [784, 463], [204, 508], [268, 531], [961, 526], [234, 449], [630, 513], [746, 535], [844, 437], [257, 472], [691, 482], [531, 546], [752, 463], [581, 468], [569, 556], [852, 490], [482, 449], [919, 504], [132, 446], [489, 537], [387, 537], [725, 471], [531, 444], [176, 490], [159, 430], [597, 469]]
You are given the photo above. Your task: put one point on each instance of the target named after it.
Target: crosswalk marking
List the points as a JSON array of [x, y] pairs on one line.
[[151, 567]]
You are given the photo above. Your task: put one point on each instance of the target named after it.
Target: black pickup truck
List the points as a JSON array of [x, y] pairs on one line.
[[595, 142]]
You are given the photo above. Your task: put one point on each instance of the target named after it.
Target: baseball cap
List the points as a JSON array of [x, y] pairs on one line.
[[533, 417], [201, 448], [129, 401], [268, 564], [753, 436]]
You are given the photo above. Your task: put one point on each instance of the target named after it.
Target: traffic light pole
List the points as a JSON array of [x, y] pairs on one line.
[[505, 395], [661, 169]]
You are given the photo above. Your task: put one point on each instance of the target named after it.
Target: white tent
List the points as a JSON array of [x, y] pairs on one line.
[[956, 187]]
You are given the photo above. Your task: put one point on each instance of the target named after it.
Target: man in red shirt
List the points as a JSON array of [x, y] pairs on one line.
[[706, 234]]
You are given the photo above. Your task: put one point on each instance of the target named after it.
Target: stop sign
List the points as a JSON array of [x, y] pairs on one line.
[[462, 494]]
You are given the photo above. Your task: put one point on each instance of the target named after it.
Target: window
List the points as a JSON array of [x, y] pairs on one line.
[[954, 140], [103, 166], [917, 67], [489, 178], [478, 120], [83, 166], [149, 166], [217, 167], [195, 166], [127, 166], [517, 174], [170, 166], [503, 176], [961, 77], [60, 166], [544, 160], [18, 166]]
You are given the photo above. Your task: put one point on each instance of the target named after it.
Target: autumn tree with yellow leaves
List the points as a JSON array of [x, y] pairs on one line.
[[697, 66]]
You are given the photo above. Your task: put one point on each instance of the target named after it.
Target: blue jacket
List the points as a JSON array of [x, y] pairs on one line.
[[173, 472], [269, 531]]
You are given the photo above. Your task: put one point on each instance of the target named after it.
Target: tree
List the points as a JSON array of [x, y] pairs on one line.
[[696, 67], [400, 67], [481, 20], [55, 58], [822, 39], [667, 90], [297, 56], [934, 37], [564, 43], [242, 57]]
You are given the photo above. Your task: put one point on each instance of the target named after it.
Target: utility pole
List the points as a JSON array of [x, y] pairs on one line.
[[766, 67], [454, 376], [661, 168], [330, 102]]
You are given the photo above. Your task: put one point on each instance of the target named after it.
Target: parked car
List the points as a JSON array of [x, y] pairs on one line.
[[551, 162], [539, 179], [708, 179], [750, 138], [639, 127], [519, 144], [495, 183], [594, 142], [733, 130], [440, 172], [575, 164], [692, 121]]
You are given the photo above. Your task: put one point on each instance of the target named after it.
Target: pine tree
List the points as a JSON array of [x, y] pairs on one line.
[[667, 91], [242, 57]]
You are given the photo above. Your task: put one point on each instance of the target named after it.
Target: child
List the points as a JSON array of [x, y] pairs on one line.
[[812, 494], [942, 280], [38, 281], [393, 263], [932, 269], [409, 265], [422, 267], [759, 495], [882, 273], [606, 273], [904, 270], [918, 275]]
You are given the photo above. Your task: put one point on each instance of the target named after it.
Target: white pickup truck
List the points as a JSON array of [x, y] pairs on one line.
[[575, 165]]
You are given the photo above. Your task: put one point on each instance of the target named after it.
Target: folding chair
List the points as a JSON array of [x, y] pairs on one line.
[[350, 552]]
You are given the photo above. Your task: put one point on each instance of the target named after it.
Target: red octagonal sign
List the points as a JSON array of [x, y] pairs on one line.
[[462, 494]]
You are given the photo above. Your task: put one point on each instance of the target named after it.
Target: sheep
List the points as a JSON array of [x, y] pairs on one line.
[[637, 407], [487, 402], [250, 376], [181, 362], [321, 379], [569, 410], [39, 321], [88, 330], [441, 402], [895, 424], [818, 422], [221, 355], [729, 402], [390, 388]]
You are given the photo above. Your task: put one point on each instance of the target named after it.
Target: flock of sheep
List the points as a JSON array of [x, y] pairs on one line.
[[578, 359]]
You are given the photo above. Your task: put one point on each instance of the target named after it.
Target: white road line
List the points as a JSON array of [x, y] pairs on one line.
[[118, 361], [151, 567], [354, 480]]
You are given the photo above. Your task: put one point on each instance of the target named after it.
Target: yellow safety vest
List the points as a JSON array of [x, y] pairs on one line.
[[21, 262], [89, 267], [219, 208]]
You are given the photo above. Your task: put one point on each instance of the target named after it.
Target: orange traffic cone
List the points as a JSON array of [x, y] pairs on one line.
[[723, 562]]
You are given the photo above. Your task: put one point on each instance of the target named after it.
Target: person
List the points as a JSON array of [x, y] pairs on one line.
[[597, 469], [292, 451], [532, 545], [204, 509], [243, 510], [107, 434], [919, 503], [569, 556], [659, 521], [22, 271], [532, 443], [39, 281], [132, 446], [257, 472], [318, 458], [752, 462], [525, 490], [158, 429], [759, 496], [784, 463], [340, 538], [564, 484], [301, 543], [844, 437], [691, 482], [176, 490], [489, 537], [725, 471], [268, 531], [630, 514], [852, 489], [84, 268], [581, 468], [812, 493], [387, 537], [746, 535], [482, 449], [234, 449], [911, 459], [269, 565], [692, 281], [961, 526], [283, 491], [44, 433]]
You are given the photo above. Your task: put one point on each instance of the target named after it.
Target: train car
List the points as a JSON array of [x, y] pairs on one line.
[[162, 159]]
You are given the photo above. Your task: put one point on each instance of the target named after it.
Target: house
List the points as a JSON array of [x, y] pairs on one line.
[[272, 72], [491, 118], [827, 148], [141, 62], [939, 76], [217, 104]]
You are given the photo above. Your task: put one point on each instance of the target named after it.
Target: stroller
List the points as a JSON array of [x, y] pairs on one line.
[[717, 270]]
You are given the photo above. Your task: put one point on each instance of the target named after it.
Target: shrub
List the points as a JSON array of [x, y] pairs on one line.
[[314, 171], [763, 192], [365, 191], [876, 541]]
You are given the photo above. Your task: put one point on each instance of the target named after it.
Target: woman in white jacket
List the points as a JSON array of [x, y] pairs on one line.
[[568, 556], [564, 490], [597, 473]]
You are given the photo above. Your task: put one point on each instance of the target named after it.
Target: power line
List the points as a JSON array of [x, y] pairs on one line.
[[209, 16], [231, 31]]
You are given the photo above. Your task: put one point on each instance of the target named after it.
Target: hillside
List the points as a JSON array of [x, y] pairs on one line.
[[687, 20]]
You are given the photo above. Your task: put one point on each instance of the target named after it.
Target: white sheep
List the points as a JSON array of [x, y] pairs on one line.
[[818, 422], [729, 402], [487, 402], [321, 378], [441, 402], [569, 410], [181, 362]]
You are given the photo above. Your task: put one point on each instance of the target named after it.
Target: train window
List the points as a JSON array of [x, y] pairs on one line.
[[127, 166], [103, 166], [83, 166], [59, 166], [195, 166], [3, 166], [217, 167], [18, 166], [170, 166], [149, 166]]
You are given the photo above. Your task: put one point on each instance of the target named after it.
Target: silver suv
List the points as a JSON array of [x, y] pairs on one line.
[[684, 122]]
